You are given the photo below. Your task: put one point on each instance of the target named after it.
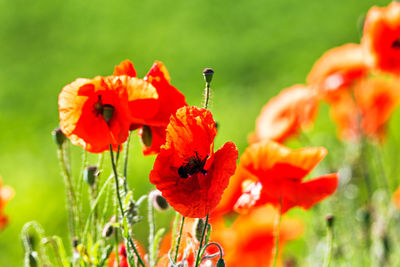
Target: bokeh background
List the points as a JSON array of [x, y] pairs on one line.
[[256, 47]]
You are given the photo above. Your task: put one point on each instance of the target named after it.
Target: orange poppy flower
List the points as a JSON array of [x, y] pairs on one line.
[[169, 100], [6, 194], [250, 241], [272, 173], [381, 37], [367, 111], [337, 70], [123, 257], [95, 113], [189, 174], [284, 115]]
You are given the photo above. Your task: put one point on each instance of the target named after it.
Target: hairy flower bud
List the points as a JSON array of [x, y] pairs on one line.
[[89, 175], [147, 136], [58, 137], [159, 202], [108, 230], [208, 74], [221, 262]]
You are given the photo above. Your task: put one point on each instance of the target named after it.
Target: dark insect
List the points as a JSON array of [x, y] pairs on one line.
[[193, 165]]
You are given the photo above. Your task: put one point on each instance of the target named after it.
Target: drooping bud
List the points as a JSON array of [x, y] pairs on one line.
[[147, 136], [59, 137], [89, 175], [221, 262], [330, 220], [108, 230], [208, 74], [32, 260], [199, 229], [108, 112], [159, 202]]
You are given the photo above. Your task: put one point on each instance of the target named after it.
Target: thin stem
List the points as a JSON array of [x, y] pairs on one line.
[[201, 242], [175, 229], [221, 253], [151, 230], [126, 163], [71, 198], [277, 233], [179, 239], [206, 95], [328, 257], [114, 167]]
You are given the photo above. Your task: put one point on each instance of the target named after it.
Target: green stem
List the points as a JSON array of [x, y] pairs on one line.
[[206, 95], [179, 239], [277, 233], [328, 257], [201, 242], [126, 153], [114, 167], [71, 198], [151, 230]]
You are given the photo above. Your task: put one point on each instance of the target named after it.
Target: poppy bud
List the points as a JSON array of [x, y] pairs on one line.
[[108, 112], [330, 219], [199, 229], [59, 137], [159, 202], [108, 230], [75, 242], [89, 175], [208, 74], [32, 260], [221, 262], [147, 136]]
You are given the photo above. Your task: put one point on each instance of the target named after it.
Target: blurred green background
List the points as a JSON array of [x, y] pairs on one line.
[[256, 47]]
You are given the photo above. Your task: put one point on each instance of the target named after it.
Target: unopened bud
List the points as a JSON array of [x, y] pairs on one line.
[[59, 137], [221, 262], [330, 220], [147, 136], [75, 242], [89, 175], [199, 227], [208, 74], [108, 112], [108, 230], [32, 260], [159, 202]]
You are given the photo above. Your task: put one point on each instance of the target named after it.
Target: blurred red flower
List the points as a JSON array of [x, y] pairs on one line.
[[189, 174], [367, 108], [286, 114], [272, 173], [169, 100], [6, 194], [337, 70], [381, 37], [123, 257], [95, 113], [251, 238]]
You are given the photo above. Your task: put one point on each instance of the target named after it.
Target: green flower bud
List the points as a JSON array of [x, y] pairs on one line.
[[208, 74], [330, 220], [221, 262], [58, 137], [147, 136], [89, 175], [159, 202]]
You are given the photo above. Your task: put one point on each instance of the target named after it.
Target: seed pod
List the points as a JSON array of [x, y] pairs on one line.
[[159, 202], [208, 74], [108, 112], [147, 136]]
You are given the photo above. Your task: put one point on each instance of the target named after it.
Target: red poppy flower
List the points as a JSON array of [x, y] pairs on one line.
[[369, 108], [95, 113], [284, 115], [123, 257], [189, 174], [337, 70], [169, 100], [250, 241], [381, 37], [272, 173], [6, 194]]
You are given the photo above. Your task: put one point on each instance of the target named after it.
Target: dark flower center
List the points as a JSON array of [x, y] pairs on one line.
[[193, 165], [396, 44], [106, 110]]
